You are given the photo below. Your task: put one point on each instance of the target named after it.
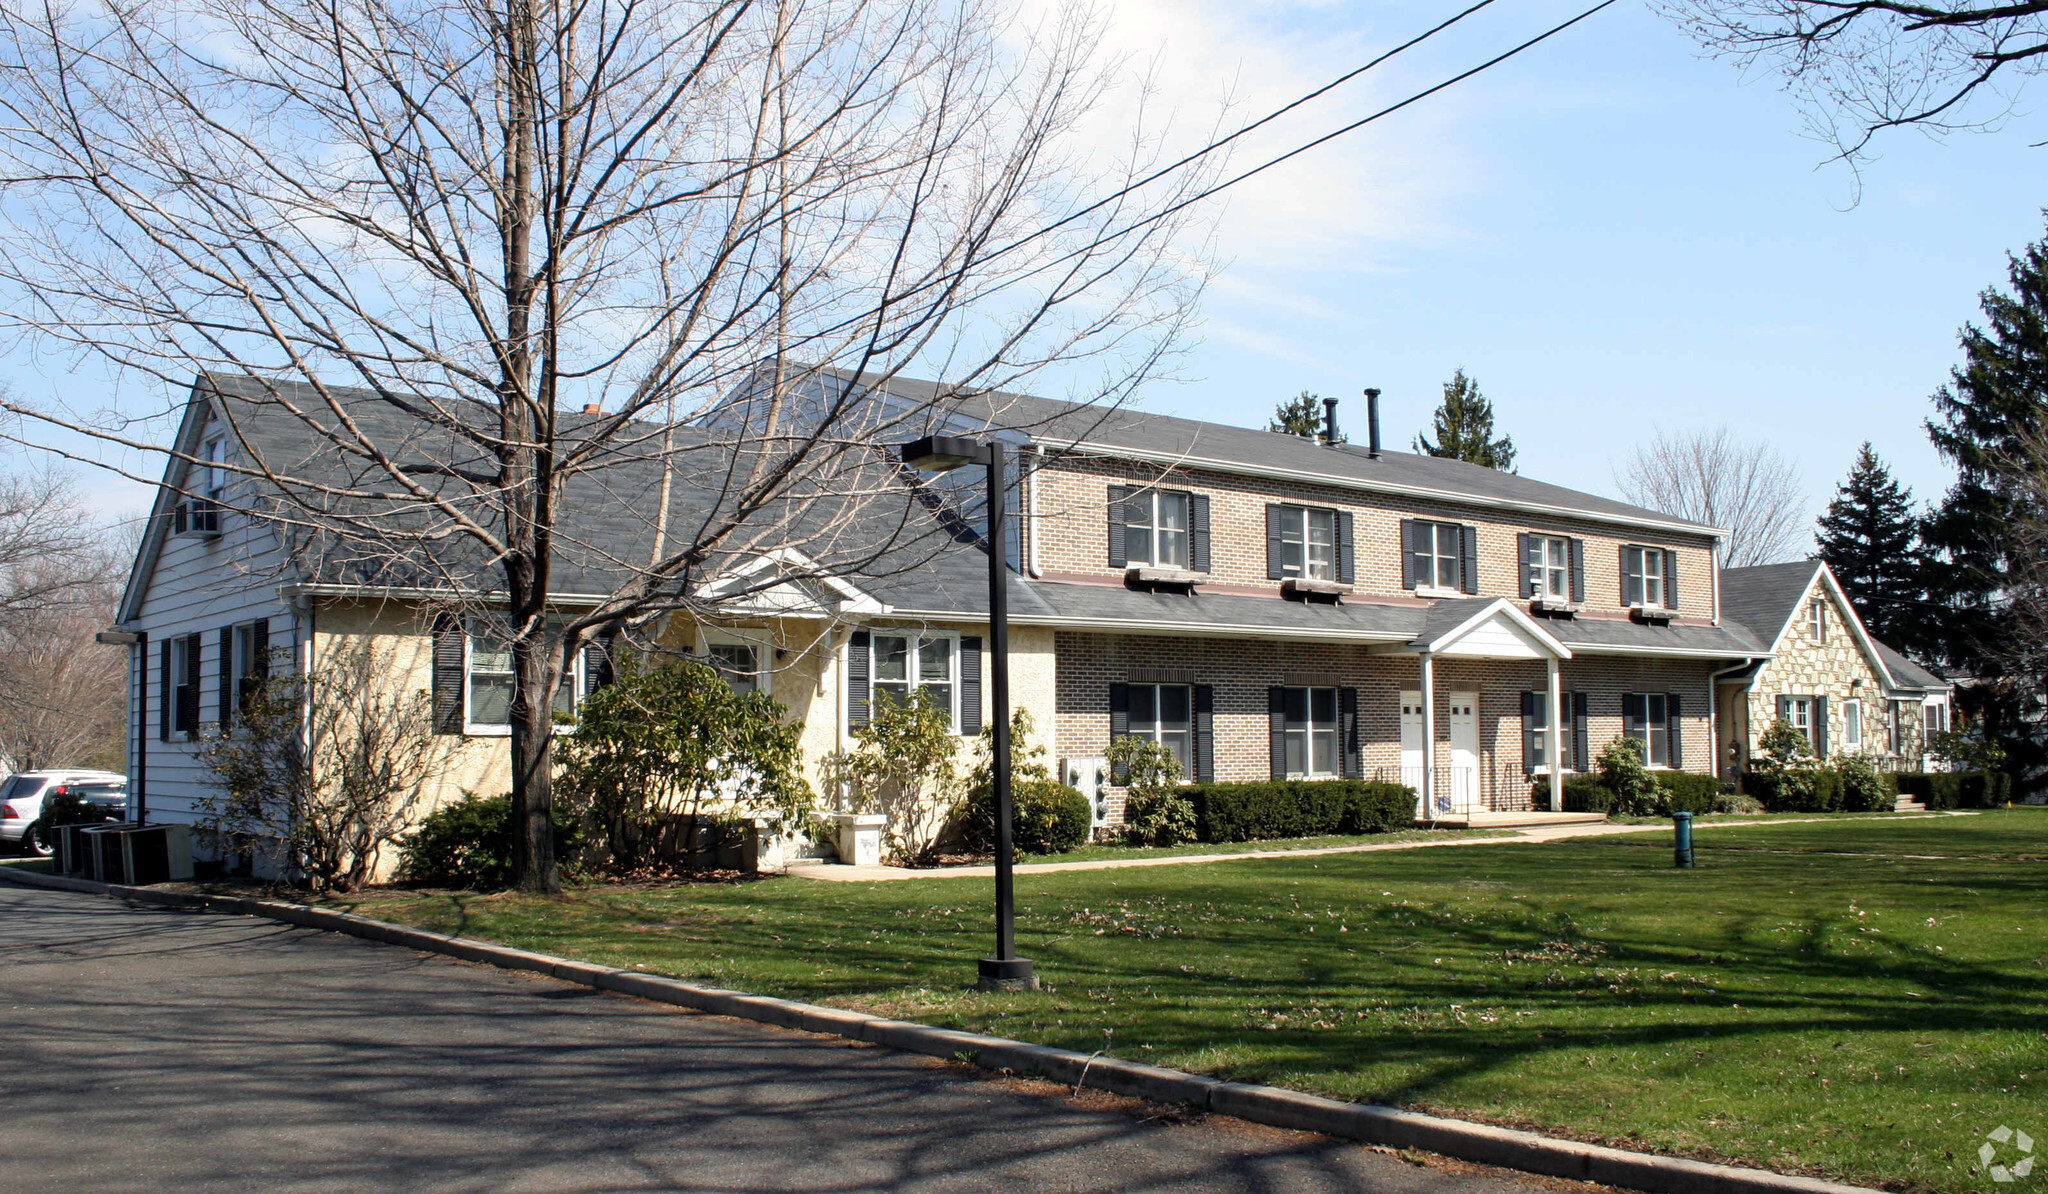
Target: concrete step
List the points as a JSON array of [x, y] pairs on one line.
[[1907, 804]]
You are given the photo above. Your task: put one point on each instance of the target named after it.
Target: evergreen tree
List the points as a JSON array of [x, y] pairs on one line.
[[1871, 538], [1982, 424], [1464, 428], [1301, 415]]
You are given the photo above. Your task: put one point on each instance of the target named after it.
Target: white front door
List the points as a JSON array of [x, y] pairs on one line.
[[1464, 793], [1411, 744]]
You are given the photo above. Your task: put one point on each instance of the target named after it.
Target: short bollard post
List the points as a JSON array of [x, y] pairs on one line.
[[1682, 822]]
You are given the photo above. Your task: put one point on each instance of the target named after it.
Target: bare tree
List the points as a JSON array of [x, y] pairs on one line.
[[550, 244], [1710, 476], [61, 693], [1859, 67]]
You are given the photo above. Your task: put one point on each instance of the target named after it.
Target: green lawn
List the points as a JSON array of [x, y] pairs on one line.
[[1868, 1018], [1092, 853]]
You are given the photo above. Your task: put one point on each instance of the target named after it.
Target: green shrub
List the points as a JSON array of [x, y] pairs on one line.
[[1732, 804], [1377, 808], [1685, 792], [468, 844], [1048, 817], [1244, 812], [1919, 785], [1796, 789], [1623, 773], [1586, 794], [1982, 789], [1157, 811], [1865, 789]]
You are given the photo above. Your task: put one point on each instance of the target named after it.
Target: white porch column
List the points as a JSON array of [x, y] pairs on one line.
[[1429, 735], [1555, 738]]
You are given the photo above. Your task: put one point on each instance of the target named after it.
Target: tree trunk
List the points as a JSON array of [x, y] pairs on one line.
[[533, 751]]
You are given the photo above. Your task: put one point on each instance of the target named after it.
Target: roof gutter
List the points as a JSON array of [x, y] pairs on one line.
[[1187, 460]]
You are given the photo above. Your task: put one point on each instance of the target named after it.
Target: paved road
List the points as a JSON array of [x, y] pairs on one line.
[[158, 1050]]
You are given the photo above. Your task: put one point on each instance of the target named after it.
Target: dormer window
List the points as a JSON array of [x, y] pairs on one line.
[[198, 512]]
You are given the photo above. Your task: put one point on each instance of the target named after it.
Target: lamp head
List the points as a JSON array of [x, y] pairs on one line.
[[941, 453]]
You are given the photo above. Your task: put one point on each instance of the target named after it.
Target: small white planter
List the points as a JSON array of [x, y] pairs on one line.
[[860, 838]]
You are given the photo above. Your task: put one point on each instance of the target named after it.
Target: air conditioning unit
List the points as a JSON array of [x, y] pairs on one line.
[[70, 846], [1090, 777], [105, 859], [157, 853]]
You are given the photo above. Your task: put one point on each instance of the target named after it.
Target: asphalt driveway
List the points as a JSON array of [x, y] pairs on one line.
[[157, 1049]]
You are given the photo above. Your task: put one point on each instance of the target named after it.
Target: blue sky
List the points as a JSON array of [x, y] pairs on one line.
[[1610, 233]]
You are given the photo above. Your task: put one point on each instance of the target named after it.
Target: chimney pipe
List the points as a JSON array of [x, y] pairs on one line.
[[592, 408], [1372, 419], [1330, 422]]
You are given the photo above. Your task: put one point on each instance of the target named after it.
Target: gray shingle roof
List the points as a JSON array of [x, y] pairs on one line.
[[1056, 423], [1765, 597], [1909, 674]]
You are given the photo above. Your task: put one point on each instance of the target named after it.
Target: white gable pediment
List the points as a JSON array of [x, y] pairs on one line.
[[1498, 631], [784, 583]]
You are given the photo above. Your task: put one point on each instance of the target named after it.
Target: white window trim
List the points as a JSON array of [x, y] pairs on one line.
[[1131, 730], [1308, 741], [1299, 517], [1647, 725], [1429, 587], [764, 671], [1187, 530], [472, 729], [1564, 570], [917, 636], [1643, 555], [1817, 622], [1852, 725]]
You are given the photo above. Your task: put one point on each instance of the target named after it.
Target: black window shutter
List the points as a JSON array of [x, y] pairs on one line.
[[857, 678], [1677, 730], [1205, 733], [1117, 557], [163, 699], [1580, 760], [597, 662], [1346, 551], [1578, 569], [1273, 516], [1525, 550], [1670, 580], [448, 646], [1820, 726], [970, 684], [227, 676], [1347, 733], [1631, 576], [188, 691], [1410, 565], [1784, 708], [1531, 758], [1276, 717], [1198, 532], [1119, 711], [1468, 568], [259, 644], [1635, 717]]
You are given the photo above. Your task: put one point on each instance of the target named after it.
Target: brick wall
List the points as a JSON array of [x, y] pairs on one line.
[[1242, 670], [1072, 532]]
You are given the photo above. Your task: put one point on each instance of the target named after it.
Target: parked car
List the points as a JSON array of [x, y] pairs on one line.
[[23, 795]]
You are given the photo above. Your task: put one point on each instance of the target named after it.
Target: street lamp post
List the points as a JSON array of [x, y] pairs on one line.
[[940, 453]]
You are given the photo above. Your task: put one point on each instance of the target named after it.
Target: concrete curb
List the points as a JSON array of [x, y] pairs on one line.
[[1385, 1126]]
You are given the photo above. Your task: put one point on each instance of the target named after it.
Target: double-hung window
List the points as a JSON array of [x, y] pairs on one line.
[[916, 661], [489, 675], [1646, 717], [739, 663], [1164, 713], [1439, 550], [1309, 737], [1536, 730], [1550, 567], [1646, 577], [1308, 542], [183, 684], [1156, 529], [1799, 711], [1818, 621], [1852, 725], [251, 663]]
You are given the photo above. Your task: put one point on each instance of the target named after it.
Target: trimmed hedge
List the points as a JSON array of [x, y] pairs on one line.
[[1677, 791], [1046, 817], [1246, 812], [1956, 789]]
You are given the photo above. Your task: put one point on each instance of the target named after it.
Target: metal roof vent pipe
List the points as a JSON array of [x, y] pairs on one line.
[[1372, 420], [1329, 422]]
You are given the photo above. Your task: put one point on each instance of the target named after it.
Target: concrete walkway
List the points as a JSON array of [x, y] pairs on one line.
[[833, 872]]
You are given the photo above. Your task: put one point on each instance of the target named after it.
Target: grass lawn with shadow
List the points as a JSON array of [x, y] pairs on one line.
[[1867, 1018]]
